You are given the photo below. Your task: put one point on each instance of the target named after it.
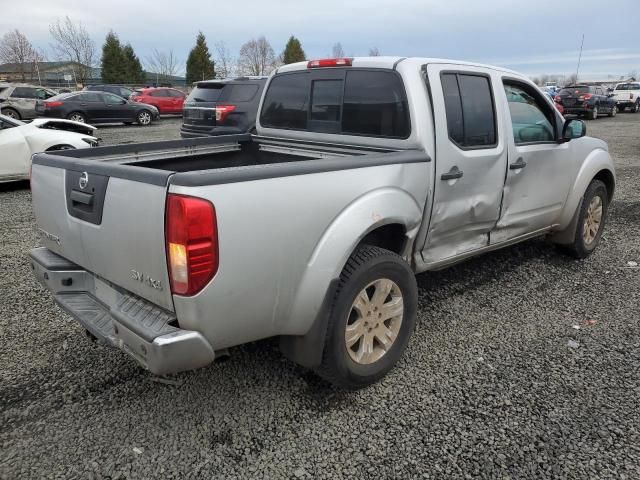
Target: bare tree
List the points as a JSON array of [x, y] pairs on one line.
[[163, 64], [225, 63], [374, 52], [633, 74], [256, 57], [72, 43], [16, 48], [572, 79], [337, 51]]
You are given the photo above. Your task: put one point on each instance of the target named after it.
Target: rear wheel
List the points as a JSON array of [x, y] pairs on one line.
[[144, 118], [372, 318], [591, 220], [11, 113], [614, 111], [76, 117], [636, 107]]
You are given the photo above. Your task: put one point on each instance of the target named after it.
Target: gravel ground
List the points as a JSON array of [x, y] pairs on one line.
[[525, 364]]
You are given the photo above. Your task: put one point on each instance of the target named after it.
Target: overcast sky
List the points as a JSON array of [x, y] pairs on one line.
[[533, 37]]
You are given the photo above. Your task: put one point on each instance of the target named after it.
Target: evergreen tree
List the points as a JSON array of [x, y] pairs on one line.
[[293, 51], [112, 60], [199, 63], [133, 71]]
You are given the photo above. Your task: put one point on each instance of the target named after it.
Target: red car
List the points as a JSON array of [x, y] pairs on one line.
[[167, 100]]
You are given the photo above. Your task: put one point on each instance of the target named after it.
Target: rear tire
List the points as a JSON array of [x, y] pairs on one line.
[[375, 305], [590, 222], [614, 111], [11, 113], [76, 117], [636, 107]]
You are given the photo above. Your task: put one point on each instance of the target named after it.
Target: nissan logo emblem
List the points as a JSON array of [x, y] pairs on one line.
[[84, 180]]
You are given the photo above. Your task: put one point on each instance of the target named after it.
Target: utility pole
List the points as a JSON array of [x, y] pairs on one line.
[[579, 58]]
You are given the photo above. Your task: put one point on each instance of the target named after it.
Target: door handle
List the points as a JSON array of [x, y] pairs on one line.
[[519, 163], [452, 174]]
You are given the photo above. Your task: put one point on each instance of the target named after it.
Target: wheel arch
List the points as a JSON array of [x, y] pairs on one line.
[[597, 166], [388, 218]]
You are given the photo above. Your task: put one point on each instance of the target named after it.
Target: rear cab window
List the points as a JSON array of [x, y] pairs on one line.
[[628, 86], [364, 102], [470, 109]]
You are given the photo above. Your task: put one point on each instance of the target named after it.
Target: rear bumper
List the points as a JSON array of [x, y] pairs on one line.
[[120, 319]]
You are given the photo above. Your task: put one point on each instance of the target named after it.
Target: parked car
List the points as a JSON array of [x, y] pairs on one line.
[[18, 100], [312, 230], [97, 107], [222, 107], [121, 91], [558, 106], [166, 100], [587, 100], [627, 95], [19, 141]]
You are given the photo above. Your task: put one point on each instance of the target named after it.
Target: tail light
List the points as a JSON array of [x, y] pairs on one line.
[[557, 99], [631, 96], [330, 62], [222, 111], [53, 104], [586, 96], [192, 243]]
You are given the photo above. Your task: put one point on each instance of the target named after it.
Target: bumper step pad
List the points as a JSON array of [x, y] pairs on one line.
[[90, 313]]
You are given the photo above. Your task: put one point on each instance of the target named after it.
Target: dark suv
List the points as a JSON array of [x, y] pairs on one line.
[[222, 107], [119, 90], [586, 100]]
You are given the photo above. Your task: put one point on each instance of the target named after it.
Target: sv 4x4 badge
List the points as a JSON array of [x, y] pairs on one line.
[[142, 278]]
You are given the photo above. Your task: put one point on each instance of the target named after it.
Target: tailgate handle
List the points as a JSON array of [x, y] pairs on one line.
[[81, 197]]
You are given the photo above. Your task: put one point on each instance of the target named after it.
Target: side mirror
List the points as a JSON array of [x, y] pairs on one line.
[[573, 128]]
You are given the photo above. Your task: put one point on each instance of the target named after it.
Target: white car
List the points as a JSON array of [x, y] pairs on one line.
[[19, 141]]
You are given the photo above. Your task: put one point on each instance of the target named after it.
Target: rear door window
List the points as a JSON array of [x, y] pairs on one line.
[[470, 111], [24, 92]]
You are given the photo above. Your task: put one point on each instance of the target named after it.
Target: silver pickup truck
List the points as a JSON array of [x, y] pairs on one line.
[[363, 173]]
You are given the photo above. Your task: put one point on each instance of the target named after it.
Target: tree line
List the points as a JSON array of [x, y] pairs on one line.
[[119, 63]]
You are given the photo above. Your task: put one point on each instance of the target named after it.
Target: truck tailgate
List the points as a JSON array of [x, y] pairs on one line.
[[110, 225]]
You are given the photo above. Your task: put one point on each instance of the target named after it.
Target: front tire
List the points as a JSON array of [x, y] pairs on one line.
[[614, 111], [144, 118], [371, 320], [590, 222], [593, 114]]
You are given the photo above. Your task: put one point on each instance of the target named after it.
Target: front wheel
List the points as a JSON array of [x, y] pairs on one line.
[[144, 118], [614, 111], [593, 114], [591, 220], [372, 318]]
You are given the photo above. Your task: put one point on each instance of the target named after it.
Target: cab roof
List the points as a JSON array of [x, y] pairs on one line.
[[391, 62]]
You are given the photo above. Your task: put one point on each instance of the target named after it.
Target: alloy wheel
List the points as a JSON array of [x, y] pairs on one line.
[[592, 221], [374, 321], [144, 118]]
